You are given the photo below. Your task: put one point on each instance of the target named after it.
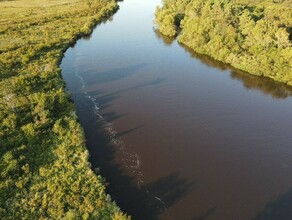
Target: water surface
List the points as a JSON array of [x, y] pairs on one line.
[[176, 134]]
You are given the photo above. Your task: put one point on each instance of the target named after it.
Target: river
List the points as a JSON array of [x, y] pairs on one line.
[[178, 135]]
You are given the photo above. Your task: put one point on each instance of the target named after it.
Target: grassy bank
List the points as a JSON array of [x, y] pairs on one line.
[[254, 36], [44, 168]]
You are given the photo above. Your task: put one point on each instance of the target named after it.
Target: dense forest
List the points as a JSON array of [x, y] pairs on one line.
[[254, 36], [44, 168]]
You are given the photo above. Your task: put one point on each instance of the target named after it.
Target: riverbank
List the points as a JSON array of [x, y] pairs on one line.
[[45, 171], [255, 37]]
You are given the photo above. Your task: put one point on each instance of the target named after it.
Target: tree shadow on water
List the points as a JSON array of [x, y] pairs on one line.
[[111, 116], [169, 190], [206, 214], [92, 77], [114, 95], [278, 209], [141, 201], [105, 100], [122, 133]]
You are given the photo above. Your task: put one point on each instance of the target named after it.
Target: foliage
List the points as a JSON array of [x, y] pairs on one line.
[[254, 36], [44, 168]]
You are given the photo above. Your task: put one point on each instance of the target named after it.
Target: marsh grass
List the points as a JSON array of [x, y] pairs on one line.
[[44, 168]]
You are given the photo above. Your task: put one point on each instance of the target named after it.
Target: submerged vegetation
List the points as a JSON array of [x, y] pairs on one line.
[[254, 36], [44, 168]]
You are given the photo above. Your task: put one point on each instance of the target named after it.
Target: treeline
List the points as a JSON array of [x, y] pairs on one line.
[[44, 168], [251, 35]]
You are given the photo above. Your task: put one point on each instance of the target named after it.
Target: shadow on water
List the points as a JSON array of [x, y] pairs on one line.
[[279, 209], [140, 201], [104, 100], [140, 86], [206, 215], [122, 133], [96, 78], [112, 116], [266, 85]]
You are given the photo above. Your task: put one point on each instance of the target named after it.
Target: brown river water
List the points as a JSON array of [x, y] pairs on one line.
[[178, 135]]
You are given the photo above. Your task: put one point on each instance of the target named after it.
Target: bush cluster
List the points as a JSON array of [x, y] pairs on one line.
[[254, 36]]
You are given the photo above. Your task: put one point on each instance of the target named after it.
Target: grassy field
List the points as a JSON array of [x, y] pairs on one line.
[[44, 168], [251, 35]]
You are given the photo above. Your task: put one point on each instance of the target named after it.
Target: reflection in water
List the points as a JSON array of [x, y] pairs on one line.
[[204, 58], [102, 21], [266, 85], [166, 39]]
